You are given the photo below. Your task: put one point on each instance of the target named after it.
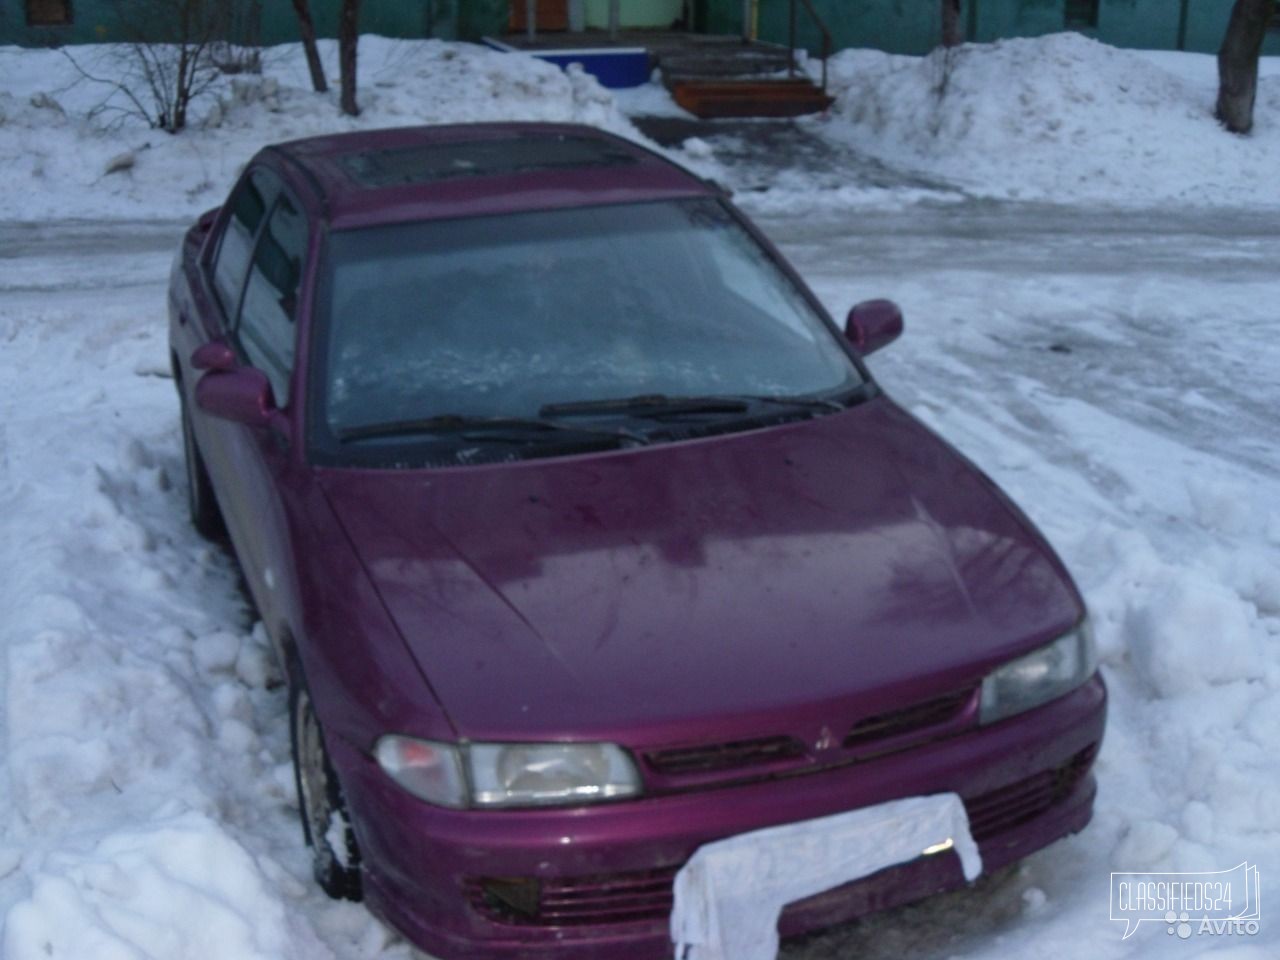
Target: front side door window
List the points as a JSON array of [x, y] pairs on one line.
[[266, 329], [248, 209]]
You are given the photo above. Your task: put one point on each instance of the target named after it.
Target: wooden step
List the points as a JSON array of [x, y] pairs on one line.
[[781, 97]]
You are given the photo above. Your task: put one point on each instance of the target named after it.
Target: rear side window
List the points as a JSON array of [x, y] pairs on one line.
[[266, 328], [248, 205]]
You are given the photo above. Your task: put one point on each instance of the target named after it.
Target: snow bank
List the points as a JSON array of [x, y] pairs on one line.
[[1187, 633], [61, 162], [147, 806], [1061, 118], [182, 888]]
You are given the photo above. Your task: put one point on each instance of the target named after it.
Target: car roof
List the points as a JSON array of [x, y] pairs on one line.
[[460, 170]]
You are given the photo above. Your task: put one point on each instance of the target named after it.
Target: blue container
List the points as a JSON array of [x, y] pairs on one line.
[[614, 67]]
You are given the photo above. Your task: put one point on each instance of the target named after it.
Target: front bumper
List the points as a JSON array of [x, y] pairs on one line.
[[605, 871]]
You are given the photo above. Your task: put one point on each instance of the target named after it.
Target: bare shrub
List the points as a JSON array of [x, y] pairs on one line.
[[175, 51]]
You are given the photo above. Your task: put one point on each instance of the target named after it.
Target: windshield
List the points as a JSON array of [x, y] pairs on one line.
[[522, 315]]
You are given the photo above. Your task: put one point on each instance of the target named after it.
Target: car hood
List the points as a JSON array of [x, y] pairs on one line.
[[638, 594]]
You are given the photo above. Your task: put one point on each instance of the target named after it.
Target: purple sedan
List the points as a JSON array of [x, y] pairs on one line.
[[586, 539]]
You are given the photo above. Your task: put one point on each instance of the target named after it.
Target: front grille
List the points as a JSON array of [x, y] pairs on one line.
[[1014, 804], [580, 901], [724, 756], [646, 896], [913, 719], [872, 736]]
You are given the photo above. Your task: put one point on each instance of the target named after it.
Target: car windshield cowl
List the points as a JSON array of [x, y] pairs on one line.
[[647, 404], [658, 406], [511, 429]]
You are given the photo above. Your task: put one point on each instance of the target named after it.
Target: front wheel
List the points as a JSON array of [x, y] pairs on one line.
[[202, 504], [326, 825]]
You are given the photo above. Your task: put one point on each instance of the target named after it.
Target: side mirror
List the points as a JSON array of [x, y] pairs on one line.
[[872, 324], [242, 395], [214, 355]]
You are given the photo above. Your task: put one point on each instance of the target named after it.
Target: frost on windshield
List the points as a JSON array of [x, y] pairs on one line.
[[499, 316]]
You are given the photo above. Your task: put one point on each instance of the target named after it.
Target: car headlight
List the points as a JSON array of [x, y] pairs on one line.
[[525, 774], [1040, 676], [508, 774]]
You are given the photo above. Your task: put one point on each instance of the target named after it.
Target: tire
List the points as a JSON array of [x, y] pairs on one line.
[[202, 503], [321, 806]]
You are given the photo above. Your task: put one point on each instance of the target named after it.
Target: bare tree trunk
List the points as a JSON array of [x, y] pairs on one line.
[[952, 35], [183, 92], [348, 35], [307, 30], [1238, 63]]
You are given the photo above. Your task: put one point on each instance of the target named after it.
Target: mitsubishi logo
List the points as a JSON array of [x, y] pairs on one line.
[[826, 741]]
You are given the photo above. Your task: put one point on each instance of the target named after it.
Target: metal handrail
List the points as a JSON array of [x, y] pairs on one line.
[[826, 39]]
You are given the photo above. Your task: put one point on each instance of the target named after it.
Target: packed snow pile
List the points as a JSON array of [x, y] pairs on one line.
[[65, 156], [1060, 118], [181, 888], [147, 803]]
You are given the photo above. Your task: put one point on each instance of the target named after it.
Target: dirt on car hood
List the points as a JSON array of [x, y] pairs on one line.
[[641, 594]]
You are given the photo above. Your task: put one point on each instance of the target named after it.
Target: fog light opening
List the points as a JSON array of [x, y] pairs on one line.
[[518, 895]]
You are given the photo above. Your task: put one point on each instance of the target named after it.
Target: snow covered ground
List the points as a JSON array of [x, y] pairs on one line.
[[1115, 372]]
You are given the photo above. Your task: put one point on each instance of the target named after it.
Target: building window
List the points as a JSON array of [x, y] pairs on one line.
[[1080, 13], [48, 13]]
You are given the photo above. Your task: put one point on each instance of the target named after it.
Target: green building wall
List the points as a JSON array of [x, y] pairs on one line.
[[899, 26], [392, 18], [98, 20], [914, 26]]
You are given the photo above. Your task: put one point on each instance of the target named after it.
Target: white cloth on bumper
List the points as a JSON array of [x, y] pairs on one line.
[[729, 895]]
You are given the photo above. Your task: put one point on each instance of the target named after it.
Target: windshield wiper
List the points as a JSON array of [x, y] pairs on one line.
[[518, 429], [808, 403], [646, 405], [658, 405]]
